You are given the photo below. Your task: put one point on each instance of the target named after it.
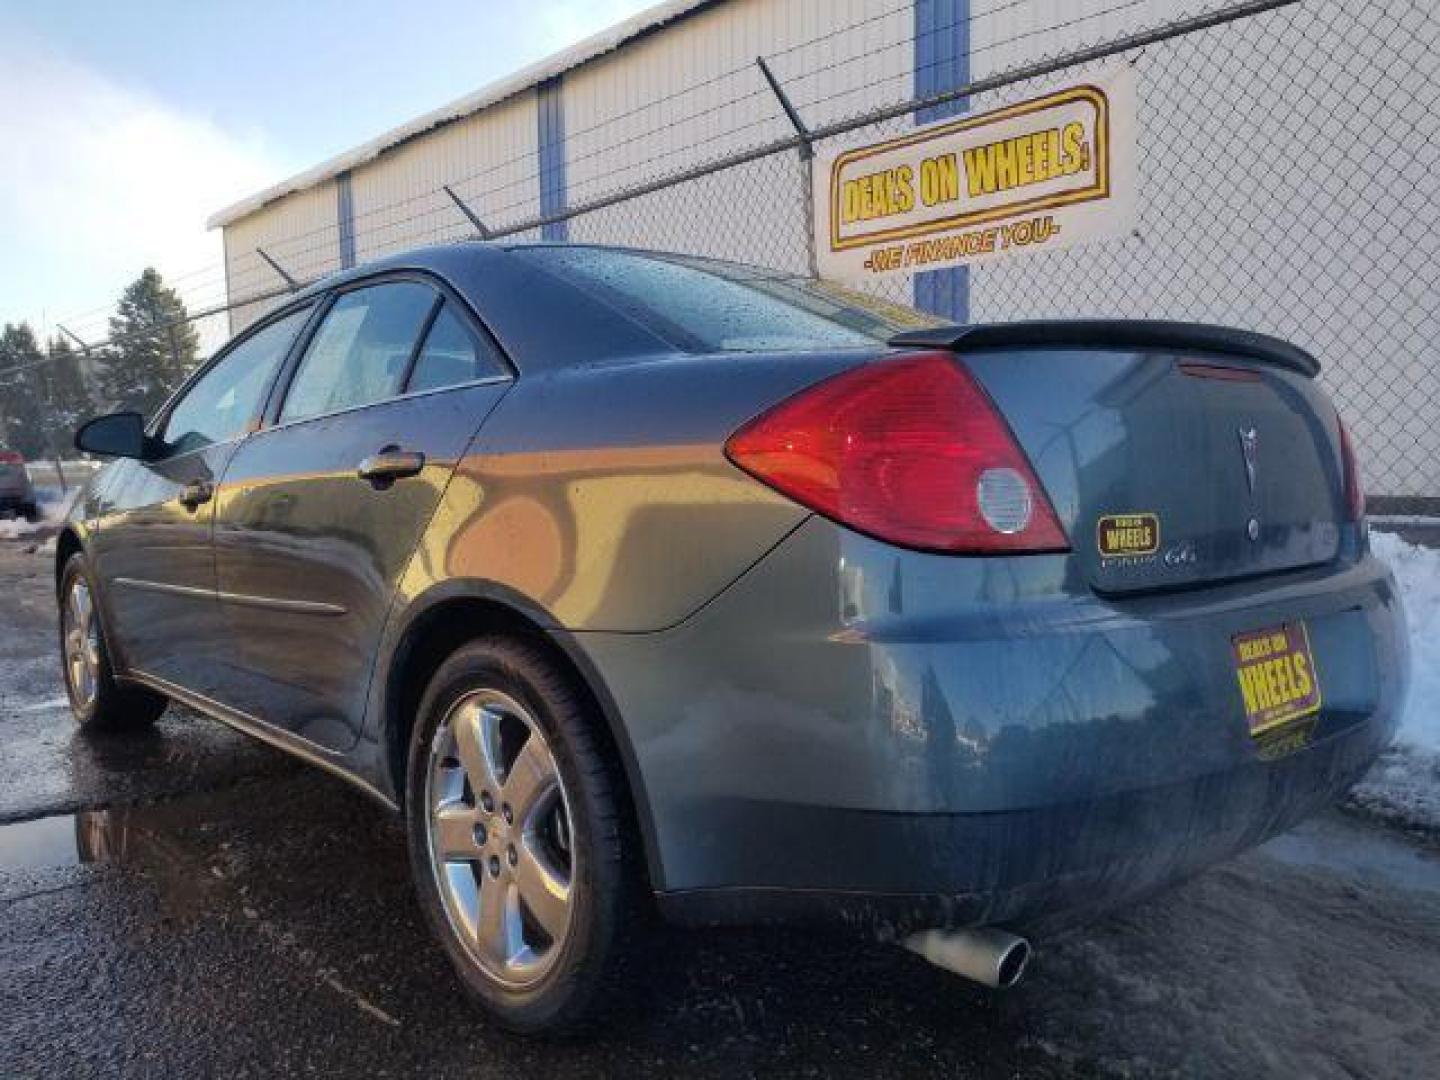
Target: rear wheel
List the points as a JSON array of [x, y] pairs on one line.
[[516, 836], [32, 512], [96, 699]]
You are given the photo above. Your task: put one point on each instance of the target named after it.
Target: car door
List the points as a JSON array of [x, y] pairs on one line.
[[152, 550], [321, 509]]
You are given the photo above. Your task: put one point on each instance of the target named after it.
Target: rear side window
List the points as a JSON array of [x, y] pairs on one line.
[[221, 403], [452, 354], [361, 351], [704, 305]]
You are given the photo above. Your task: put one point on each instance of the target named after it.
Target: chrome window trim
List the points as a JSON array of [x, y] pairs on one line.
[[489, 380]]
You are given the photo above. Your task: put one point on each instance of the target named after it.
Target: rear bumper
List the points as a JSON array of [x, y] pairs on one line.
[[857, 732], [1034, 869]]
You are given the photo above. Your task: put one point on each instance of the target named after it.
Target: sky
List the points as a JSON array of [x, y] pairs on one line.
[[124, 126]]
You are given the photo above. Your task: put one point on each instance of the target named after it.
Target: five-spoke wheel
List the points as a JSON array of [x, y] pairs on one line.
[[80, 634], [500, 836], [97, 699], [518, 836]]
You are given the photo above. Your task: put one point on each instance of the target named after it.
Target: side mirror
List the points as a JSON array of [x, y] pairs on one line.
[[120, 434]]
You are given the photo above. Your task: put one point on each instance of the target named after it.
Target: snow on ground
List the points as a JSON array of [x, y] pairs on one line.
[[18, 528], [1404, 785], [53, 508]]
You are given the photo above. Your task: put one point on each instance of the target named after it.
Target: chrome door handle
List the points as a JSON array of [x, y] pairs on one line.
[[389, 465], [196, 492]]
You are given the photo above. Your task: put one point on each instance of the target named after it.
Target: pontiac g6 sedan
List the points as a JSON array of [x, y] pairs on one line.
[[636, 580]]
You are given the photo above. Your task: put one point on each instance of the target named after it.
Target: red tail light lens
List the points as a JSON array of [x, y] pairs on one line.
[[910, 451], [10, 457], [1354, 489]]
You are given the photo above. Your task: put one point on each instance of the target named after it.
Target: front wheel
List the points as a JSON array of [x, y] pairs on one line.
[[96, 699], [517, 839]]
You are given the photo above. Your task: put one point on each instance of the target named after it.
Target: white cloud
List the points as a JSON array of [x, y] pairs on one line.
[[99, 180]]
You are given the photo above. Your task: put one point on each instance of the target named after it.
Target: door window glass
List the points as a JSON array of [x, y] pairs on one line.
[[222, 402], [360, 353], [452, 354]]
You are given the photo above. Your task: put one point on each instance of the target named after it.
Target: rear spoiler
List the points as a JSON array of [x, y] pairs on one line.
[[1115, 334]]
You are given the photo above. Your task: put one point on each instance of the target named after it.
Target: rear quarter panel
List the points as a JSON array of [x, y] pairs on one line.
[[601, 495]]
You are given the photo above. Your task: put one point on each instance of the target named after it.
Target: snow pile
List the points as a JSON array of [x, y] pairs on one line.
[[53, 509], [17, 528], [1417, 571], [1404, 785]]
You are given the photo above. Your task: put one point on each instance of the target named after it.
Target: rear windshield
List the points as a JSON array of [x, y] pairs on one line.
[[703, 305]]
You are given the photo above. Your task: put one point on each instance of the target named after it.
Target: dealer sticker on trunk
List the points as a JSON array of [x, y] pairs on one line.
[[1278, 681], [1118, 535]]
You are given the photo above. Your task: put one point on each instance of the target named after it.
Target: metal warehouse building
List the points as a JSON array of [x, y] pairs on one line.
[[1288, 160]]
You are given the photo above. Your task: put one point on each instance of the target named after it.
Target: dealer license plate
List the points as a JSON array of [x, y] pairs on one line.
[[1276, 671]]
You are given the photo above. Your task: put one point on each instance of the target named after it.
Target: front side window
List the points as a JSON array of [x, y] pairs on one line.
[[452, 354], [222, 402], [360, 353]]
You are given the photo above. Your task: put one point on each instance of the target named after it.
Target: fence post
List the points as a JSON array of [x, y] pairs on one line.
[[290, 282], [807, 157], [464, 209]]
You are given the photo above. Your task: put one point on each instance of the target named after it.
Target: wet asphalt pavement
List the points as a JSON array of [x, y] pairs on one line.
[[192, 903]]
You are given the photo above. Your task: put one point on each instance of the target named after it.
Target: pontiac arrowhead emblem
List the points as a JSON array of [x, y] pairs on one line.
[[1248, 442]]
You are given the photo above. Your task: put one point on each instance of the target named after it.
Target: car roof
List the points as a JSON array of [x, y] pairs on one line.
[[541, 319]]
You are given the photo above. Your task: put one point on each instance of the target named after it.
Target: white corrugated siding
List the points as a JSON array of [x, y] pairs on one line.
[[1004, 35], [693, 94], [489, 161], [300, 232]]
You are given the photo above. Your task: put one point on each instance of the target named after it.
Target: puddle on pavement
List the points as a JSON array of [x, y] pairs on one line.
[[33, 845], [143, 838], [1363, 853], [91, 836]]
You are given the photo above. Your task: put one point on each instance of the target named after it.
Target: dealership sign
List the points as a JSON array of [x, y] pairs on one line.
[[1034, 176]]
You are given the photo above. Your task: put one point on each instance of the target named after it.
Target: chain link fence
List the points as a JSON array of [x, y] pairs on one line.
[[1289, 180]]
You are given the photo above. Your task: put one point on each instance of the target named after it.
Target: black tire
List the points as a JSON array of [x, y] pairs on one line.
[[32, 513], [590, 962], [113, 706]]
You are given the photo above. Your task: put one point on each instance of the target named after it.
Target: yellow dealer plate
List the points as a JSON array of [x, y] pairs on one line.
[[1276, 671]]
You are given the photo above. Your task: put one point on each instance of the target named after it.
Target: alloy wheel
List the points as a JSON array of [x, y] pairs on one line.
[[501, 843], [81, 634]]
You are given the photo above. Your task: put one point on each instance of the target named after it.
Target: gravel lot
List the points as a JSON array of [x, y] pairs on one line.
[[193, 903]]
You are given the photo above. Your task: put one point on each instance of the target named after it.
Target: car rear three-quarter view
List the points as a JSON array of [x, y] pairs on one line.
[[636, 580]]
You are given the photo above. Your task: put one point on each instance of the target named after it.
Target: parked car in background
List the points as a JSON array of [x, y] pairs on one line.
[[17, 494], [632, 578]]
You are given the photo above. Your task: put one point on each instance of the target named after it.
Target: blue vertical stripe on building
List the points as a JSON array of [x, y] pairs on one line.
[[550, 114], [942, 62], [345, 220]]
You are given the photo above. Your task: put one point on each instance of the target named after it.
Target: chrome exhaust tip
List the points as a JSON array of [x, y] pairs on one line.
[[985, 955]]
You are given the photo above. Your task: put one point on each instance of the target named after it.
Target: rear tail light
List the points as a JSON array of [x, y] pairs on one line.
[[10, 457], [910, 451], [1354, 489]]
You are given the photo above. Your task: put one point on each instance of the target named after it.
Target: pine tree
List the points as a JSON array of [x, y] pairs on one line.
[[22, 411], [153, 352], [68, 391]]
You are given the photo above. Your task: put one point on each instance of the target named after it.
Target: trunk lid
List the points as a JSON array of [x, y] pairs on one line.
[[1175, 456]]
